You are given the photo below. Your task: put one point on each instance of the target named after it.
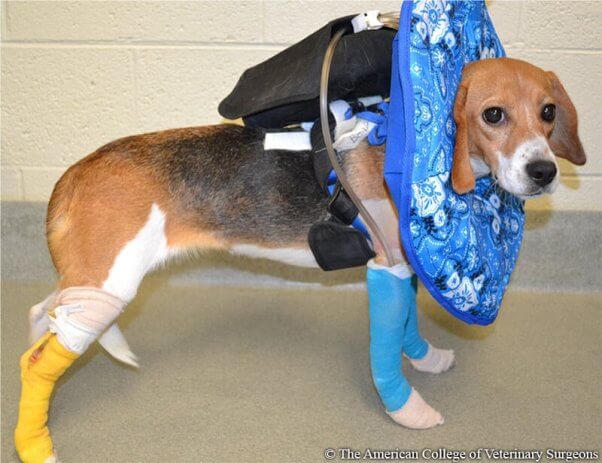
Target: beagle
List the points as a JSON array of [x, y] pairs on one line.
[[139, 201]]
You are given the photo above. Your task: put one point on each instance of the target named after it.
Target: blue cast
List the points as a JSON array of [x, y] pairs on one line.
[[393, 330]]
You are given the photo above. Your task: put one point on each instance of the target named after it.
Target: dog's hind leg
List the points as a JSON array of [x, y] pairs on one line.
[[98, 278]]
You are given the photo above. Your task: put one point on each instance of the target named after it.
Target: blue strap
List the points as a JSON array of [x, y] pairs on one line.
[[378, 135], [357, 223]]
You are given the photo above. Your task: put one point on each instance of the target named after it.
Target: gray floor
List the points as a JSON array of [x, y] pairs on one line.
[[262, 375]]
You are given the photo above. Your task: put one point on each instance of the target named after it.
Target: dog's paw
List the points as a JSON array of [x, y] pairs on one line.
[[416, 413], [435, 361]]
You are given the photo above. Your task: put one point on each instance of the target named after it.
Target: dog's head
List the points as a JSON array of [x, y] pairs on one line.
[[512, 119]]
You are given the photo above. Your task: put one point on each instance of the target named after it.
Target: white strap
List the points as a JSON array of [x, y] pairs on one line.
[[370, 100], [306, 126], [290, 141], [339, 109], [348, 133]]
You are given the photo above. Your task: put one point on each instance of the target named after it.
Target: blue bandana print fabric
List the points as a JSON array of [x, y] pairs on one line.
[[463, 247]]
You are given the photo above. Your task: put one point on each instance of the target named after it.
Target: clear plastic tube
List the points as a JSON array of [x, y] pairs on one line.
[[375, 231]]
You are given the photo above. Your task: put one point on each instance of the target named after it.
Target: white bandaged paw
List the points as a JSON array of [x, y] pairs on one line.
[[435, 361], [416, 413]]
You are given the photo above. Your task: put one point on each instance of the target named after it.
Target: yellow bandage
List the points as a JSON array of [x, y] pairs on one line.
[[41, 366]]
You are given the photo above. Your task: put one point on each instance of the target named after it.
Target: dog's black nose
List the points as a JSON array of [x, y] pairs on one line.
[[541, 172]]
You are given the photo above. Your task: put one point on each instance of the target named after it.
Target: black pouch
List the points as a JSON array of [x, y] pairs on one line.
[[337, 246], [285, 89]]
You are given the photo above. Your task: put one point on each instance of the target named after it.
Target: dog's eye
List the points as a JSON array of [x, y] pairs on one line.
[[548, 113], [493, 115]]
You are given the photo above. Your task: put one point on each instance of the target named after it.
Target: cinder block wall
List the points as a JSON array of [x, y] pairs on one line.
[[77, 74]]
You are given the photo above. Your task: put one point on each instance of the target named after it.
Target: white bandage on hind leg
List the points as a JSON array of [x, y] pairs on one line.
[[81, 314]]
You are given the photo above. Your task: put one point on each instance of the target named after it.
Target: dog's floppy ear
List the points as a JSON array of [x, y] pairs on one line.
[[462, 175], [564, 141]]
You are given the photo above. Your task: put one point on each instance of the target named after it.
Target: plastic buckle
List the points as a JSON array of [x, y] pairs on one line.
[[367, 21]]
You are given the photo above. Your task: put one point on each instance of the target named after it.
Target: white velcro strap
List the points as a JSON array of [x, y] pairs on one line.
[[289, 141], [339, 110], [307, 126], [367, 21], [370, 100], [348, 133]]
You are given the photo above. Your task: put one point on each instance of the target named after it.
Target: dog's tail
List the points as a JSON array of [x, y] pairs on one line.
[[115, 344]]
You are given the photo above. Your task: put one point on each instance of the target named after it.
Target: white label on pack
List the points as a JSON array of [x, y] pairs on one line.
[[353, 138]]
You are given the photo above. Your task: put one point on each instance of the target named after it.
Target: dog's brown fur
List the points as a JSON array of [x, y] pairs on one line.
[[521, 89], [101, 202]]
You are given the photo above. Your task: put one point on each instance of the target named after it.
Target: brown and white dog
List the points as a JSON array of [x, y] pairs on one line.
[[139, 201]]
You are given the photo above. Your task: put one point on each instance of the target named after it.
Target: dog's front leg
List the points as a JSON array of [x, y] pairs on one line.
[[422, 355], [394, 329], [390, 293]]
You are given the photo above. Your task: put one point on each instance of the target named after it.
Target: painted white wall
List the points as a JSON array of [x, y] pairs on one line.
[[77, 74]]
